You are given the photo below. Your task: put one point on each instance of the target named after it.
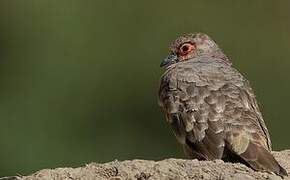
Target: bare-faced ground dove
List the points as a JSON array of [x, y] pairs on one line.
[[211, 107]]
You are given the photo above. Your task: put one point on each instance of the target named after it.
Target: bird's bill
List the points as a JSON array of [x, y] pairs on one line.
[[172, 57]]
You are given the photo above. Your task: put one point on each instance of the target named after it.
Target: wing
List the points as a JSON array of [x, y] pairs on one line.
[[248, 92], [194, 110], [246, 135]]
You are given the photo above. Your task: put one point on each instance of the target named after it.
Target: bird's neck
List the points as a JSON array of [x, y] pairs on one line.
[[220, 55]]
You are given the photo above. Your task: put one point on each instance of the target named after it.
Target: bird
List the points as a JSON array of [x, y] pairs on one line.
[[211, 106]]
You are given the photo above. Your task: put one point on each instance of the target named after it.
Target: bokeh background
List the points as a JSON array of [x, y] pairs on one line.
[[79, 79]]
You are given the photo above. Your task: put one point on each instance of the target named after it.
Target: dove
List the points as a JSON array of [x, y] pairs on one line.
[[211, 106]]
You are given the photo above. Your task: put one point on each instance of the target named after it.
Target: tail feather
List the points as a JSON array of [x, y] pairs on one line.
[[260, 159]]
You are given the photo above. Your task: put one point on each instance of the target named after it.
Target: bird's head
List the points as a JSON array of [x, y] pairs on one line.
[[190, 46]]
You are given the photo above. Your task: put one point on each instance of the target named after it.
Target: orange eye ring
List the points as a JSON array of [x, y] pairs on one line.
[[185, 48]]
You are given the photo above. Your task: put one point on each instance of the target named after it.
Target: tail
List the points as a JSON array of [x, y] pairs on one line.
[[260, 159]]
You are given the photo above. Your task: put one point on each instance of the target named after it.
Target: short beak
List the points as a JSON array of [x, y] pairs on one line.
[[172, 57]]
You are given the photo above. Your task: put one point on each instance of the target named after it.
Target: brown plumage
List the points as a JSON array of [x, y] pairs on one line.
[[211, 107]]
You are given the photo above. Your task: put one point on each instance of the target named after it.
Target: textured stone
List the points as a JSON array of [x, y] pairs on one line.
[[165, 169]]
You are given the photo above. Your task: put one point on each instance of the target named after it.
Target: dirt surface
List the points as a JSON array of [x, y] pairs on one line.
[[165, 169]]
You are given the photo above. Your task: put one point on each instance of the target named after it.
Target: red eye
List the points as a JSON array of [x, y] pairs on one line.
[[186, 48]]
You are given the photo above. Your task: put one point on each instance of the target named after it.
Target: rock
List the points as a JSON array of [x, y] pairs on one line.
[[166, 169]]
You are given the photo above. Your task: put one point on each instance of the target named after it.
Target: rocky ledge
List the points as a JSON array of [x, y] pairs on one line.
[[164, 169]]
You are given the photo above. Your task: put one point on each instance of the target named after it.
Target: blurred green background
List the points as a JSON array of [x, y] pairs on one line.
[[79, 79]]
